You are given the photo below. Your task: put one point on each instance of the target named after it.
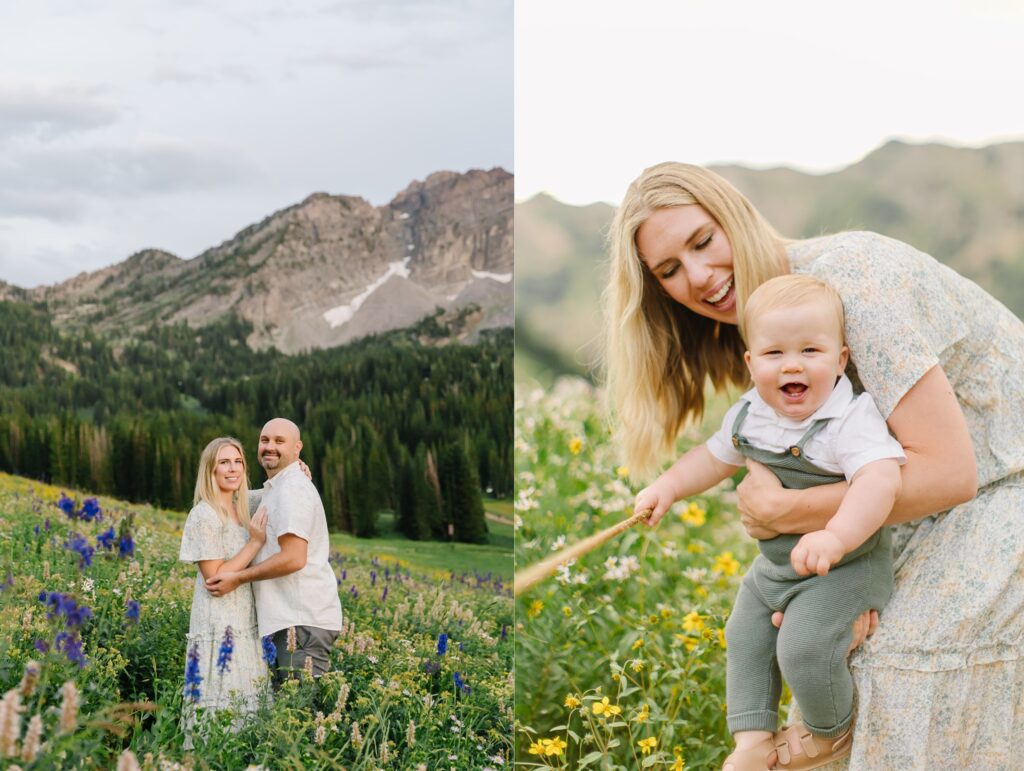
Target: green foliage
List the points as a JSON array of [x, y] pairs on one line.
[[131, 687], [639, 621], [132, 419]]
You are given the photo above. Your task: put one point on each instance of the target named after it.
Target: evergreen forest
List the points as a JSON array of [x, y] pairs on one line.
[[396, 421]]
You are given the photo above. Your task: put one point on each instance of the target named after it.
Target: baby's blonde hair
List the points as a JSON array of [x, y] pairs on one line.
[[786, 292]]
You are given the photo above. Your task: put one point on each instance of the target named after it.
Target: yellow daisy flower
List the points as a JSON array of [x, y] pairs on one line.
[[575, 445], [646, 745], [554, 746], [572, 702], [694, 515], [604, 707], [726, 564], [535, 608], [692, 622]]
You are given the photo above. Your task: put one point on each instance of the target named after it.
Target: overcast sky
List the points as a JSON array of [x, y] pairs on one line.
[[605, 89], [127, 125]]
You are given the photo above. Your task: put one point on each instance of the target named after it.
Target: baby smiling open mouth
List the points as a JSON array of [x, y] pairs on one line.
[[794, 388]]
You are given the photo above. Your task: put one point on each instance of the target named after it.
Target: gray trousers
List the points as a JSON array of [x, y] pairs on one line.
[[310, 642], [810, 650]]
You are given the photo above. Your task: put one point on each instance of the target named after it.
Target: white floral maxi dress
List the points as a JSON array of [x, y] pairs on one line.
[[941, 683], [206, 536]]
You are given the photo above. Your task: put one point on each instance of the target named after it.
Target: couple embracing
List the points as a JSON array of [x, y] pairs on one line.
[[265, 592]]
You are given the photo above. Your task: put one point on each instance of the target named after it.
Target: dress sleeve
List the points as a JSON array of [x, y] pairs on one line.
[[720, 444], [202, 536], [899, 315]]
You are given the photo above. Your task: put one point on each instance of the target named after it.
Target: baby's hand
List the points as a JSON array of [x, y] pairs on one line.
[[816, 552], [659, 496]]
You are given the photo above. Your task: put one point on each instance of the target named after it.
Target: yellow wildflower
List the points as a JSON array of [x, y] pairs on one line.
[[726, 564], [692, 622], [572, 702], [689, 642], [646, 745], [604, 707], [638, 664], [720, 633], [622, 472], [666, 613], [535, 608], [643, 714], [554, 746], [616, 677], [679, 765], [695, 548], [638, 643], [701, 592], [536, 748], [694, 515], [575, 445], [567, 610]]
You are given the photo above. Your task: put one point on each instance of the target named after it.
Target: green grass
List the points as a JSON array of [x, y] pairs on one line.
[[435, 556]]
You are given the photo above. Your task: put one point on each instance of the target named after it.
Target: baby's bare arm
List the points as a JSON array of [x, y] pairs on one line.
[[867, 503], [695, 472]]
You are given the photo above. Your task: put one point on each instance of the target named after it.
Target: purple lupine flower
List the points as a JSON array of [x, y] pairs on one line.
[[131, 612], [106, 539], [387, 574], [227, 647], [42, 646], [46, 524], [460, 684], [66, 505], [354, 592], [384, 596], [431, 667], [269, 650], [442, 644], [80, 544], [65, 605], [504, 632], [91, 510], [192, 676], [373, 578], [344, 575]]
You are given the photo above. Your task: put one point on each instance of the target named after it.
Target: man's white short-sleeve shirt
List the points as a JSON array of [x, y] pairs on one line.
[[855, 435], [309, 596]]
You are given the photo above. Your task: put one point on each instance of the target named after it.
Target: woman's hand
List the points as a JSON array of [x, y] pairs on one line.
[[305, 469], [863, 627], [762, 499], [258, 526]]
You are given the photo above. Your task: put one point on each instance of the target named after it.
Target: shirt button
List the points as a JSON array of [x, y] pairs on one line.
[[795, 451]]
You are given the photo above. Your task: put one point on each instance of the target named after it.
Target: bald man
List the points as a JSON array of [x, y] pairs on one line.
[[293, 583]]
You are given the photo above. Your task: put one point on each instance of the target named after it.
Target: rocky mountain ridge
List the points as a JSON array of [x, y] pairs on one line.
[[323, 272]]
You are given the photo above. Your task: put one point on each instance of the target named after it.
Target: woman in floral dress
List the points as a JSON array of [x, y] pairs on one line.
[[225, 665], [941, 683]]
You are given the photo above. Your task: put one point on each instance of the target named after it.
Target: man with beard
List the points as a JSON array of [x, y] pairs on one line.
[[293, 583]]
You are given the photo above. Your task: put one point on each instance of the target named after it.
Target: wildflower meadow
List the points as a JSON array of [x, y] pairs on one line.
[[620, 658], [94, 609]]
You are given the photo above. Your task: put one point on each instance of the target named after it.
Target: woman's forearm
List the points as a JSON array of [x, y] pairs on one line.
[[241, 560]]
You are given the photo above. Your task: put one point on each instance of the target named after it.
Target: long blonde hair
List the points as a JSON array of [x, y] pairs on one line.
[[206, 486], [658, 353]]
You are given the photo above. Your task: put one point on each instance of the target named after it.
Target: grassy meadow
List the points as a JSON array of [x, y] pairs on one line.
[[93, 616], [620, 658]]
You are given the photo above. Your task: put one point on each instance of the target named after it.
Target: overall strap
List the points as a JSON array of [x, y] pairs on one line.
[[798, 449], [740, 417]]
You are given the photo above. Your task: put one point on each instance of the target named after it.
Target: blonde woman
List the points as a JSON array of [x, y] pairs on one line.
[[225, 665], [939, 683]]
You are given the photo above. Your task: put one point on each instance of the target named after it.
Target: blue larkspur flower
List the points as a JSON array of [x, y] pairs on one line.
[[504, 632], [106, 539], [66, 505], [269, 650], [71, 644], [65, 605], [460, 684], [373, 578], [384, 596], [192, 677], [431, 667], [132, 610], [125, 546], [227, 647], [442, 644], [80, 544], [42, 646], [91, 510]]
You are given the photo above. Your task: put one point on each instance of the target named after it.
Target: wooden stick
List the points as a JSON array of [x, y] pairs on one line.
[[527, 577]]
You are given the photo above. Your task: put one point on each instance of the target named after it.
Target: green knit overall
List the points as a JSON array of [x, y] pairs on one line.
[[810, 649]]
